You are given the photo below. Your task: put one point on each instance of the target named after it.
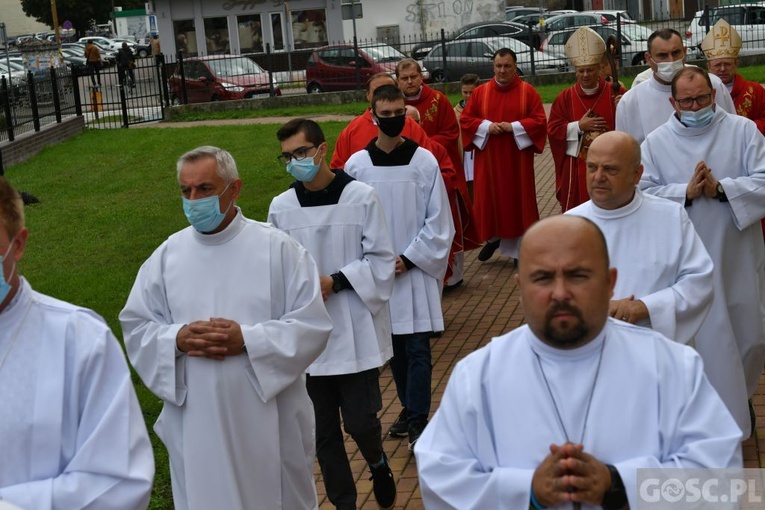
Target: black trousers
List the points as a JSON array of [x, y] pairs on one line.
[[358, 398]]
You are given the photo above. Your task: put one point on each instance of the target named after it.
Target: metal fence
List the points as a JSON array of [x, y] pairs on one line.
[[346, 65]]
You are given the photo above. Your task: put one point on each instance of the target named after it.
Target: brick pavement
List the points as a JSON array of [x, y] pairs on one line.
[[486, 305]]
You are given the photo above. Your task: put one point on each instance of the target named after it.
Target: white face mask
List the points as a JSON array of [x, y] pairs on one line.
[[667, 70]]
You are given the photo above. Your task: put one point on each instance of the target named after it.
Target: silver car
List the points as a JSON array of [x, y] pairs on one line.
[[634, 42], [475, 56]]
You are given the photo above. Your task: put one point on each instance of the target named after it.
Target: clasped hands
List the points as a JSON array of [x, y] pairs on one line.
[[628, 309], [568, 473], [215, 339], [496, 128], [702, 182]]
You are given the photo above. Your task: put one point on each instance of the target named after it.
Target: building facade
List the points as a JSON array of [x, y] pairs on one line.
[[204, 27]]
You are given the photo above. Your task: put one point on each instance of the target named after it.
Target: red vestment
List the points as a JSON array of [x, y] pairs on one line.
[[505, 198], [749, 99], [570, 106]]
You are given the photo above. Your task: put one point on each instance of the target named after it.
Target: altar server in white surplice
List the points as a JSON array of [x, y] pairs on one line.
[[412, 192], [714, 164], [665, 274], [221, 324], [72, 434], [646, 106], [341, 223], [569, 407]]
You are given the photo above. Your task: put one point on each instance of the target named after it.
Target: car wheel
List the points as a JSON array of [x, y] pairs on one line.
[[175, 100], [314, 88], [439, 76], [638, 60], [143, 53]]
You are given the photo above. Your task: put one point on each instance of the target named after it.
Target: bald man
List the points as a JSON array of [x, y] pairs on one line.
[[568, 373]]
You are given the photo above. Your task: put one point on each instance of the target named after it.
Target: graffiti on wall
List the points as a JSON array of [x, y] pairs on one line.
[[419, 12]]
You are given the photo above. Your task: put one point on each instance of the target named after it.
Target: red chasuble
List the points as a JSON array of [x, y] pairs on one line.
[[505, 202], [570, 106], [749, 98]]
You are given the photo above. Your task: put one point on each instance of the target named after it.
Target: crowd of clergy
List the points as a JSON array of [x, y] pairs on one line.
[[644, 303]]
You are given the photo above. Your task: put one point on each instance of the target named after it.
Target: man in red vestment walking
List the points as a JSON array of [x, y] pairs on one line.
[[578, 115], [505, 123], [721, 46]]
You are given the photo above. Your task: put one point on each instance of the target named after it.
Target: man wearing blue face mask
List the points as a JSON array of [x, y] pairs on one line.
[[221, 323], [73, 435], [713, 162], [646, 106], [340, 221]]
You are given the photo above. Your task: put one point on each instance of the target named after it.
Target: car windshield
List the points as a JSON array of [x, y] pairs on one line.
[[234, 66], [383, 53]]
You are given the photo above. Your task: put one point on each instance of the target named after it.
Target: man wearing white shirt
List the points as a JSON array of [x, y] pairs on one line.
[[646, 106], [221, 323], [544, 416], [72, 434], [713, 163]]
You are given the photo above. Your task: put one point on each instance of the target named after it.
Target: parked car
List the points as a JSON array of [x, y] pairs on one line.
[[105, 42], [533, 19], [574, 20], [633, 44], [107, 56], [475, 56], [220, 78], [611, 16], [139, 49], [484, 29], [747, 19], [512, 12], [74, 59], [334, 67]]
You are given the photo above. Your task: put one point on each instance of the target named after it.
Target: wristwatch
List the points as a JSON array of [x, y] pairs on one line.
[[615, 497], [337, 286], [720, 193]]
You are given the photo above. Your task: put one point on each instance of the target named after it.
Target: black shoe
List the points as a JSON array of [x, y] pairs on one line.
[[415, 431], [400, 427], [488, 250], [383, 485], [752, 417]]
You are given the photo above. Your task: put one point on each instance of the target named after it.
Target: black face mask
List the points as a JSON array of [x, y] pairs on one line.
[[392, 126]]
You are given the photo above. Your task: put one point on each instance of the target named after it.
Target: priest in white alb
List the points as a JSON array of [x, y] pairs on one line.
[[713, 163], [646, 106], [72, 434], [222, 321], [563, 411]]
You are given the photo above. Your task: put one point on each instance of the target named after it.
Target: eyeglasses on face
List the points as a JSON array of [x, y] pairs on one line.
[[702, 100], [298, 154]]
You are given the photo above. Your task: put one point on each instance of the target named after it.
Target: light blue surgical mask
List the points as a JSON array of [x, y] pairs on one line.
[[5, 286], [699, 118], [303, 170], [204, 214]]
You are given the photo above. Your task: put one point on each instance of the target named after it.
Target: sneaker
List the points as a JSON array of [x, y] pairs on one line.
[[415, 431], [400, 427], [383, 485], [488, 250]]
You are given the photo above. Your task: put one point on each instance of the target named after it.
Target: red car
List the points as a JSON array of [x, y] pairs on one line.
[[220, 78], [334, 67]]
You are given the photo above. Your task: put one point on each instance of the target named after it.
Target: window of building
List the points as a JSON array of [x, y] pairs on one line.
[[309, 28], [277, 30], [185, 34], [216, 36], [250, 34]]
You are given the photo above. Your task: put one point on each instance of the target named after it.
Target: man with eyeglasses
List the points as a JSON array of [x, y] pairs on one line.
[[221, 323], [713, 163], [357, 271], [411, 189], [646, 107]]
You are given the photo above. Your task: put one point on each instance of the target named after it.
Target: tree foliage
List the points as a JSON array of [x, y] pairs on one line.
[[79, 12]]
